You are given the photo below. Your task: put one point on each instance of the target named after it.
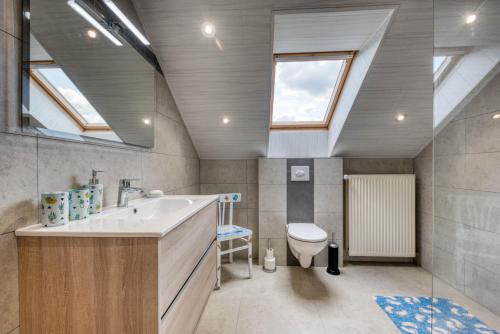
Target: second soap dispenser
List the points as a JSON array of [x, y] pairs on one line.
[[96, 193]]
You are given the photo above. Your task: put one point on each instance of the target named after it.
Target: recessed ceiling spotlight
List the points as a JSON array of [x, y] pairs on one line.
[[208, 29], [400, 117], [470, 18], [225, 120], [496, 116], [146, 121], [92, 33]]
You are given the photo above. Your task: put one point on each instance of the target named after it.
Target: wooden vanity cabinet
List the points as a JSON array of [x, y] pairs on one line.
[[118, 284]]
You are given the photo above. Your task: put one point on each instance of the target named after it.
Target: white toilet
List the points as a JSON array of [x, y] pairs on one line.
[[305, 240]]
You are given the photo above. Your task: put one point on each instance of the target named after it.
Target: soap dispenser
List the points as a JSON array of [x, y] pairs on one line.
[[96, 193]]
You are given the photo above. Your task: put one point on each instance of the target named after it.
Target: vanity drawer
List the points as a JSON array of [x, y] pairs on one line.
[[181, 250], [184, 313]]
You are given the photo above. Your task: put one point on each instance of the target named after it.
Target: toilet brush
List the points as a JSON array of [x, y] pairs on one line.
[[269, 259], [333, 258]]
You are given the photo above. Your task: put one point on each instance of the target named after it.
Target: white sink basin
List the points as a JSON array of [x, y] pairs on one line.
[[146, 217]]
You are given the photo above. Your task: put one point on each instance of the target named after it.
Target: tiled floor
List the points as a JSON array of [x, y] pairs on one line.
[[294, 300]]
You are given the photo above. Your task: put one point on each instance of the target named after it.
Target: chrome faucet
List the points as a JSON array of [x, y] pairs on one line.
[[124, 189]]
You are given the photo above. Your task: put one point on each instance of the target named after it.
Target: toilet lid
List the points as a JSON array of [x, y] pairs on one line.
[[306, 232]]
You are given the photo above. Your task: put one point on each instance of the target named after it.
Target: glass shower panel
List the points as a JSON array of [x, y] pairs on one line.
[[466, 164]]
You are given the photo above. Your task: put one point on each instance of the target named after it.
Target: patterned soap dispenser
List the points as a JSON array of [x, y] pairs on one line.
[[96, 193]]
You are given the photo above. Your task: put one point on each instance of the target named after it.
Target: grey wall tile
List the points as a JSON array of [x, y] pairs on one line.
[[9, 294], [424, 229], [73, 168], [328, 171], [165, 103], [172, 138], [223, 171], [448, 267], [272, 197], [10, 12], [272, 224], [272, 171], [253, 220], [425, 256], [482, 286], [253, 195], [449, 171], [423, 166], [487, 101], [252, 171], [328, 198], [451, 140], [10, 80], [208, 189], [330, 222], [19, 198], [423, 198], [481, 133], [378, 166], [482, 172], [482, 248]]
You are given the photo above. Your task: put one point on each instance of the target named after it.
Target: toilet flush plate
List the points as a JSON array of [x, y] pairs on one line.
[[299, 173]]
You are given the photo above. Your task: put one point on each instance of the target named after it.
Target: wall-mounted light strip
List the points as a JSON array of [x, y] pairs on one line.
[[83, 13], [127, 22]]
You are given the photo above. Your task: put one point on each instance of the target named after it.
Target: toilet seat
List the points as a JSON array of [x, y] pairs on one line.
[[306, 232]]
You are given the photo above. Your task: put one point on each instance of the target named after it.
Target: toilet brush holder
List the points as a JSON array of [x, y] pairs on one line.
[[333, 259], [269, 260]]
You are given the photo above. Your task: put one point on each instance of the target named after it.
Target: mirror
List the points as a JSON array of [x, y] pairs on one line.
[[87, 74]]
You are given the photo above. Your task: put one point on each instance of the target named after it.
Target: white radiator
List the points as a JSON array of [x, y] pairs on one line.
[[381, 215]]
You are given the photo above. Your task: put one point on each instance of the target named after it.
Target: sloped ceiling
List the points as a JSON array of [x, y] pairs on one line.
[[210, 82]]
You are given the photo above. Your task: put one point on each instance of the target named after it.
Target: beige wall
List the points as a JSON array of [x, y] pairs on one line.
[[30, 165], [466, 245], [235, 176]]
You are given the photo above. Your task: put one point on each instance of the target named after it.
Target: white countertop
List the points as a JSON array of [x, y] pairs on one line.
[[154, 217]]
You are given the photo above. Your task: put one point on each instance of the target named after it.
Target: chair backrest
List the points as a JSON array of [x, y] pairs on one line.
[[230, 198]]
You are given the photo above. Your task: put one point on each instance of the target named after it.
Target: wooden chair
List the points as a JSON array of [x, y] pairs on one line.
[[231, 232]]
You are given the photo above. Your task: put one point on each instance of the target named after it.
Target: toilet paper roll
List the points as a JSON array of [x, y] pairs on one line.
[[96, 192], [79, 203], [54, 208]]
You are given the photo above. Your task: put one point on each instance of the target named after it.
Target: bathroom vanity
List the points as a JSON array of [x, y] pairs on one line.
[[148, 268]]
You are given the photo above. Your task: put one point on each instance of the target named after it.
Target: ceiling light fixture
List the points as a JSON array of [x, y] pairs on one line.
[[496, 116], [225, 120], [146, 121], [127, 22], [400, 117], [208, 29], [27, 15], [470, 18], [77, 8], [92, 33]]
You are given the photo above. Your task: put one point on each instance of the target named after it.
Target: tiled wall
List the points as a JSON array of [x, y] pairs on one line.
[[30, 165], [328, 207], [466, 200], [231, 176]]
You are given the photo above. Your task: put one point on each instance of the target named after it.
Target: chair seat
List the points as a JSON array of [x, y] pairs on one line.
[[229, 232]]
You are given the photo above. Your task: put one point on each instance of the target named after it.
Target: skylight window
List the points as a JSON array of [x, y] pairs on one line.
[[437, 62], [59, 81], [307, 87]]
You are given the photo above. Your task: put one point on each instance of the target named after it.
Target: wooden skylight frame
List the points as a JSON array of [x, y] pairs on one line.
[[348, 56], [59, 100]]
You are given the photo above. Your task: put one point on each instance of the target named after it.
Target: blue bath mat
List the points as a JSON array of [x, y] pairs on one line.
[[425, 315]]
